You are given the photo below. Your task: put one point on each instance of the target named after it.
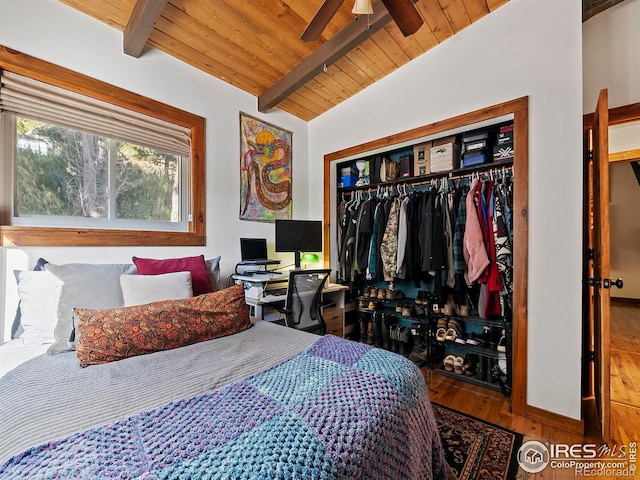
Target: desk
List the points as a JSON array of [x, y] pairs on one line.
[[263, 305]]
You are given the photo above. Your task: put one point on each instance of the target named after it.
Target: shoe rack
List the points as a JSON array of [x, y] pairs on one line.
[[436, 334]]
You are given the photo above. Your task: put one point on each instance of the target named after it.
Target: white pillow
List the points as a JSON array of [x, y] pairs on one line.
[[143, 289], [84, 285], [37, 294]]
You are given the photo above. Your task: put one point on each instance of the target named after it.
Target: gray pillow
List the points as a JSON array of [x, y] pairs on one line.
[[213, 269], [84, 285]]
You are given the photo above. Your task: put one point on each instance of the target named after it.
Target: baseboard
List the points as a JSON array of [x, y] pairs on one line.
[[569, 425]]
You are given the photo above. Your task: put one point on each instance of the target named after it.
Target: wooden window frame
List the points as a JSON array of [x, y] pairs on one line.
[[26, 65]]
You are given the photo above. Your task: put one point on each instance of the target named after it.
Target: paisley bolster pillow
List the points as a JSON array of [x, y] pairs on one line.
[[107, 335]]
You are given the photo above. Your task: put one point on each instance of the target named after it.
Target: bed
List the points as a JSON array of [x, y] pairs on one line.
[[268, 402]]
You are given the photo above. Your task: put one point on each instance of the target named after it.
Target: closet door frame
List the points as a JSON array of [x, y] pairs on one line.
[[519, 108]]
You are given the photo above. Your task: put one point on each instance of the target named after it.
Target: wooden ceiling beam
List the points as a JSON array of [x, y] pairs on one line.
[[337, 46], [140, 25]]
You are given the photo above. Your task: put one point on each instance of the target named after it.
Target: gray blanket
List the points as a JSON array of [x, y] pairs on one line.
[[50, 397]]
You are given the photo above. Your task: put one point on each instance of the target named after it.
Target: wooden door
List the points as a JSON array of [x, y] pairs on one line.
[[601, 262]]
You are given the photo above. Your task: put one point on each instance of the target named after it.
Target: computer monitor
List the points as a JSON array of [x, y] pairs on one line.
[[298, 236], [253, 249]]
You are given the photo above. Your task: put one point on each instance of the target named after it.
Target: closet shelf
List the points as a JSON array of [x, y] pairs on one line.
[[456, 173]]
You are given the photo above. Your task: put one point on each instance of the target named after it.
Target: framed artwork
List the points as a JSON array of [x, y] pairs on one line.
[[265, 170]]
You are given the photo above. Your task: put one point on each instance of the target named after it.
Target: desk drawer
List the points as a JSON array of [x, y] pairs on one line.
[[334, 318]]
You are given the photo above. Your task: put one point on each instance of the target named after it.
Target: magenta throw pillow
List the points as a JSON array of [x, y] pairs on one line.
[[195, 265]]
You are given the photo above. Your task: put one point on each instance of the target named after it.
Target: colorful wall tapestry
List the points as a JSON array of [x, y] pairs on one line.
[[265, 171]]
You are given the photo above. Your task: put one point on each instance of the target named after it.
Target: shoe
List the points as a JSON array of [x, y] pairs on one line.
[[363, 321], [370, 332], [419, 310], [485, 337], [451, 334], [502, 363], [455, 331], [373, 293], [470, 365], [448, 310], [362, 303], [457, 365], [405, 341], [382, 294], [473, 339], [494, 338], [460, 338], [393, 334], [399, 308], [372, 305], [377, 329], [502, 346], [463, 310], [366, 291], [441, 334], [449, 360], [387, 321], [407, 310]]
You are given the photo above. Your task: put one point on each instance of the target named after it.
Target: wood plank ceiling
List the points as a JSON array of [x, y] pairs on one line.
[[252, 44]]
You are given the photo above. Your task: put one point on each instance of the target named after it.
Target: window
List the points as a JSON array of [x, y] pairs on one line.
[[90, 164]]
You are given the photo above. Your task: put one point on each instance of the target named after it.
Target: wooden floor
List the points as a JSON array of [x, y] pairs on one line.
[[625, 371], [625, 393]]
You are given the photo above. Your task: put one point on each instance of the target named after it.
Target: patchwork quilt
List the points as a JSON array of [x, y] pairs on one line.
[[337, 410]]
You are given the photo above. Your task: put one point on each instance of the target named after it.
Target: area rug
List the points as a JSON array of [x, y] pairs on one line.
[[476, 449]]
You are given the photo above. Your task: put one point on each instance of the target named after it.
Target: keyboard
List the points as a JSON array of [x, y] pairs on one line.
[[275, 292]]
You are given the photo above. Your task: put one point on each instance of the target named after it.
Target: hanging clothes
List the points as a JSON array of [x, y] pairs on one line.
[[389, 248], [403, 232], [475, 253]]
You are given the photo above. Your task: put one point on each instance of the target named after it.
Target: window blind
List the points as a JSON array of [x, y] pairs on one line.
[[24, 96]]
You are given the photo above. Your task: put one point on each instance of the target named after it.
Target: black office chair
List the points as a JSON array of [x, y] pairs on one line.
[[302, 307]]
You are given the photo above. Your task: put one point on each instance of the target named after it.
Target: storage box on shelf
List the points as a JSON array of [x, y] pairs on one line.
[[445, 155], [422, 159]]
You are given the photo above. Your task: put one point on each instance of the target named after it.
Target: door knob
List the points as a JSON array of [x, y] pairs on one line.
[[618, 283], [608, 283]]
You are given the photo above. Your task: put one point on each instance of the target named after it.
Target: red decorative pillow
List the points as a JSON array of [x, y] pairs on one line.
[[195, 265], [107, 335]]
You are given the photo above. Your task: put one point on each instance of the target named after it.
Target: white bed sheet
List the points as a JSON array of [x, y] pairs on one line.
[[50, 397], [15, 353]]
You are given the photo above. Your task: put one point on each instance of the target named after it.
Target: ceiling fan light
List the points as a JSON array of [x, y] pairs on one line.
[[362, 7]]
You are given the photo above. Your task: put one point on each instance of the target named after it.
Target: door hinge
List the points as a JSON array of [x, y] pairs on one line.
[[593, 282], [591, 155], [592, 356], [590, 254]]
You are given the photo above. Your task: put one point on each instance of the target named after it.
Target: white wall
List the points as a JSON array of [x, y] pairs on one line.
[[51, 31], [611, 60], [611, 55], [527, 47], [625, 230]]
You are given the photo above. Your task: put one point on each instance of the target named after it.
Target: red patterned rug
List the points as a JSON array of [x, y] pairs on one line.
[[475, 449]]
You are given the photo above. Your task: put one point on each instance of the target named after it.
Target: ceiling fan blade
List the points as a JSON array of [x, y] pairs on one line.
[[405, 15], [321, 19]]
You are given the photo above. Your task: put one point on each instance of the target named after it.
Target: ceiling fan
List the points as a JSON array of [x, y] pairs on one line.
[[403, 12]]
